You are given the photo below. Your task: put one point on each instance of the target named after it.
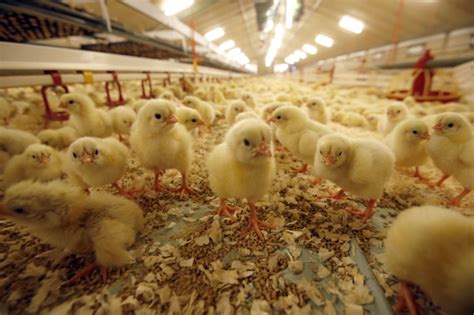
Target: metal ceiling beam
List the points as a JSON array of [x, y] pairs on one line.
[[61, 12]]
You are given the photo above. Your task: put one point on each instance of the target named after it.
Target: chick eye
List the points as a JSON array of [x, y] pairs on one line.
[[71, 102], [74, 155], [340, 153], [33, 157], [158, 116], [246, 142], [415, 132], [193, 120], [278, 117], [450, 125], [321, 151], [236, 109], [398, 111], [96, 152], [19, 210]]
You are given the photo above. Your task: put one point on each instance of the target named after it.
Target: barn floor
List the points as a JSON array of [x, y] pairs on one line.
[[318, 260]]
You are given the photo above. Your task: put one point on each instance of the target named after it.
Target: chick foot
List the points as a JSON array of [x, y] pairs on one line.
[[440, 182], [157, 185], [337, 196], [123, 192], [184, 188], [364, 215], [302, 170], [457, 200], [420, 177], [224, 210], [256, 224], [104, 273], [406, 301]]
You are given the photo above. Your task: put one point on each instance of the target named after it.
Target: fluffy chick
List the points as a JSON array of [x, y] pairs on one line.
[[61, 215], [317, 111], [95, 162], [122, 118], [58, 138], [189, 118], [451, 148], [207, 112], [394, 113], [6, 110], [408, 144], [246, 115], [85, 117], [433, 248], [243, 167], [37, 162], [249, 99], [235, 108], [298, 133], [14, 141], [359, 166], [160, 143]]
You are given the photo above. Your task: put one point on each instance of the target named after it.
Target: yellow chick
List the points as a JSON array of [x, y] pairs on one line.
[[235, 108], [408, 144], [189, 117], [14, 141], [85, 117], [246, 115], [61, 215], [394, 113], [317, 110], [6, 110], [38, 162], [360, 166], [58, 138], [451, 148], [123, 118], [95, 162], [136, 105], [207, 112], [298, 133], [160, 143], [243, 167], [249, 99], [433, 248]]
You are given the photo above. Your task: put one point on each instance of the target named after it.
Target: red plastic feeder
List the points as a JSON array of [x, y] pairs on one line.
[[120, 100], [49, 114], [422, 83], [147, 81], [167, 80]]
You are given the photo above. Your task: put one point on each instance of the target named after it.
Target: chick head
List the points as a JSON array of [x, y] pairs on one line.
[[47, 137], [246, 96], [87, 151], [158, 115], [38, 155], [414, 130], [167, 96], [396, 111], [76, 102], [250, 141], [333, 150], [454, 126], [36, 204], [23, 108], [191, 101], [289, 118], [316, 103], [191, 118], [126, 120], [238, 106]]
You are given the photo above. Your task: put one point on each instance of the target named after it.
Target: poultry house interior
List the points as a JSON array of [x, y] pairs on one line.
[[237, 157]]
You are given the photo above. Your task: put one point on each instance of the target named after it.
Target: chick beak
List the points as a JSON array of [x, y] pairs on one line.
[[392, 115], [62, 105], [263, 150], [438, 126], [43, 159], [425, 136], [329, 160], [2, 210], [270, 119], [202, 122], [86, 158], [171, 120]]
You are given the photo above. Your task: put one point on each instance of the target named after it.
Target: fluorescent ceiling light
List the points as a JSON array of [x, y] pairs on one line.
[[282, 67], [251, 67], [171, 7], [268, 26], [300, 54], [214, 34], [290, 9], [324, 40], [351, 24], [227, 45], [310, 49], [289, 60], [234, 52]]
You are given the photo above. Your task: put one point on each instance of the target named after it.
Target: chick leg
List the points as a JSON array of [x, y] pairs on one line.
[[87, 270], [302, 170], [406, 300], [457, 200], [224, 210], [157, 185], [255, 223], [184, 188], [338, 196], [440, 182], [418, 175], [122, 191], [369, 211]]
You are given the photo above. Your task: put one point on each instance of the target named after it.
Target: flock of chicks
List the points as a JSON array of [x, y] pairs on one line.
[[48, 176]]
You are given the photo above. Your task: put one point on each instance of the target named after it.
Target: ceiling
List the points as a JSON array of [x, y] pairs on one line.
[[238, 19]]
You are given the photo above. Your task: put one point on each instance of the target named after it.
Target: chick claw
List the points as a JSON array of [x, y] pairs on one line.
[[104, 272], [256, 224], [224, 210], [364, 215], [337, 196], [302, 170]]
